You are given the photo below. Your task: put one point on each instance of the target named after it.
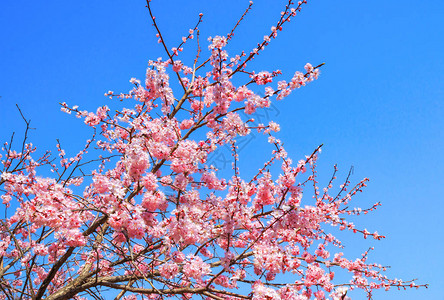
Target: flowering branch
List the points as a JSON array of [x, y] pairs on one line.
[[153, 217]]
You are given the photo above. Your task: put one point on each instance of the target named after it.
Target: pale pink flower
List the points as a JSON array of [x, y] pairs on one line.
[[169, 270]]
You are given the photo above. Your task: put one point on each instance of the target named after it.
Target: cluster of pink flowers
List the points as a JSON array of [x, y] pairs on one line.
[[143, 209], [195, 267], [169, 270], [263, 78]]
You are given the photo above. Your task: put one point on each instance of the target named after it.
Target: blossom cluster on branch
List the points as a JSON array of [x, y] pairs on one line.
[[151, 218]]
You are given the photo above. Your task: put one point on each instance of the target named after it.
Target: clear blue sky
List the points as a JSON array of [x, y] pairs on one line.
[[378, 104]]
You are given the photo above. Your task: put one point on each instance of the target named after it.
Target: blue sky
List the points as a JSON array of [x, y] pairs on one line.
[[378, 105]]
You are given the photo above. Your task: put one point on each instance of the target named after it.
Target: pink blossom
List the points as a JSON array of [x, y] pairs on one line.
[[195, 267], [263, 77], [308, 67], [169, 270], [41, 249], [148, 206], [274, 126], [186, 124], [177, 66], [150, 182], [92, 119]]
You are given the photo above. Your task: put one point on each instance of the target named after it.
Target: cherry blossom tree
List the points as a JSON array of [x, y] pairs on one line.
[[150, 217]]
